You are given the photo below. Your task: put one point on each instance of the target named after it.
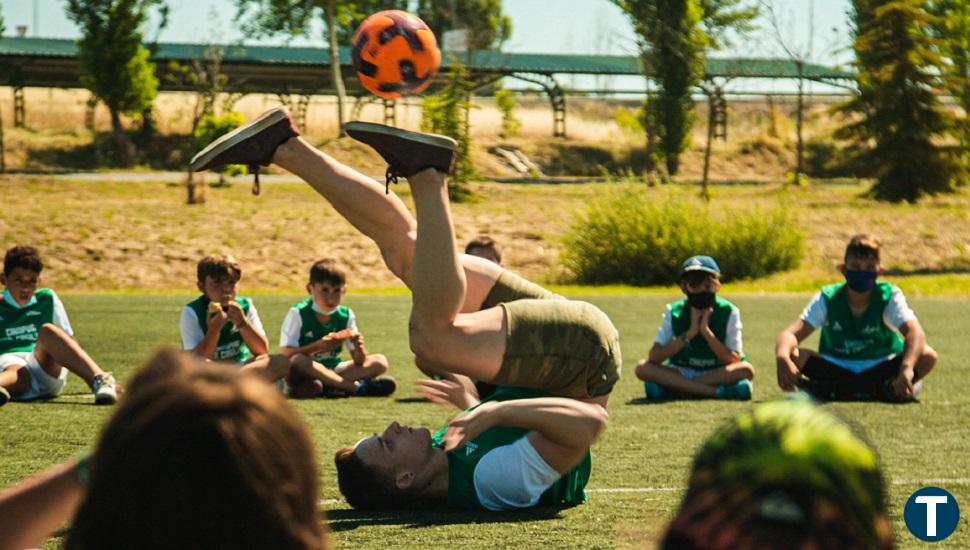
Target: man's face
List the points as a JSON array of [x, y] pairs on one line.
[[326, 295], [22, 283], [222, 290], [398, 450]]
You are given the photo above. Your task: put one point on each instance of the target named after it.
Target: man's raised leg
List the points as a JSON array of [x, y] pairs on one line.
[[381, 216], [472, 344], [363, 202]]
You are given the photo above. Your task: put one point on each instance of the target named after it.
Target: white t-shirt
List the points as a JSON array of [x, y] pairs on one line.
[[732, 337], [60, 316], [293, 324], [896, 314], [513, 476], [192, 333]]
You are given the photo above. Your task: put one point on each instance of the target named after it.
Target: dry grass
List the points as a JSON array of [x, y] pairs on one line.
[[760, 145], [141, 236]]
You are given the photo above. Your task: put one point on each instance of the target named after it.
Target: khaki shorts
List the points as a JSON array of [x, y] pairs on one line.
[[564, 347]]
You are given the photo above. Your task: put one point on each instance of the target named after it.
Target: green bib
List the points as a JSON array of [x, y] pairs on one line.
[[463, 460], [231, 347], [697, 354], [312, 329], [20, 327], [846, 336]]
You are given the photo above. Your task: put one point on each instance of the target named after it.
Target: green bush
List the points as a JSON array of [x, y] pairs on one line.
[[632, 236], [212, 127]]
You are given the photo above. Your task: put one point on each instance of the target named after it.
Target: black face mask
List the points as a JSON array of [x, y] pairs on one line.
[[700, 300]]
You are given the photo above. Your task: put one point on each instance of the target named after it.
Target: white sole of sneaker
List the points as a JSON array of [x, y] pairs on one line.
[[244, 132], [435, 140]]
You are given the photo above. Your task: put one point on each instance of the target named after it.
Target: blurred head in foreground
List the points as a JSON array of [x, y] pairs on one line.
[[197, 455], [784, 475]]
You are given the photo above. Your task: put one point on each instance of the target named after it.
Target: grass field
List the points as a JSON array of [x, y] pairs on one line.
[[640, 464]]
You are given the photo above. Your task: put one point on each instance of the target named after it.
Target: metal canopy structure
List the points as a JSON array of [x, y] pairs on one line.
[[52, 63]]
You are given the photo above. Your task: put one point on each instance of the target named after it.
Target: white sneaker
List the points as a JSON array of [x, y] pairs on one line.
[[105, 392], [4, 396]]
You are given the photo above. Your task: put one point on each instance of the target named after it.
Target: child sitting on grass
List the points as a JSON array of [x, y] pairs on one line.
[[219, 325], [314, 333], [37, 347], [698, 351], [872, 346]]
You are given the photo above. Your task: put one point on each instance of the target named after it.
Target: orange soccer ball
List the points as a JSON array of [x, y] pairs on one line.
[[395, 54]]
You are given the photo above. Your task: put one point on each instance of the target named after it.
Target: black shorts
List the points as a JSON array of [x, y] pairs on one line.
[[828, 381]]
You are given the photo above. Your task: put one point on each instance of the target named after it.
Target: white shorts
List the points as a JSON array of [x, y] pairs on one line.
[[42, 385]]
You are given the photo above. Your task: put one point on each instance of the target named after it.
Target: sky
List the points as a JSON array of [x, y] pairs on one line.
[[538, 26]]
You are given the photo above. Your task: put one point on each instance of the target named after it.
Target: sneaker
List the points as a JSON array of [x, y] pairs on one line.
[[333, 393], [307, 389], [4, 396], [379, 386], [738, 392], [104, 388], [406, 152], [656, 392], [251, 144]]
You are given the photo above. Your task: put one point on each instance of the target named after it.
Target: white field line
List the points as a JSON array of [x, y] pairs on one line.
[[934, 481], [922, 482]]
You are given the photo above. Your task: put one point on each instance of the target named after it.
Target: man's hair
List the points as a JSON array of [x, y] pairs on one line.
[[694, 278], [366, 487], [24, 257], [485, 242], [864, 247], [198, 455], [327, 271], [786, 474], [219, 267]]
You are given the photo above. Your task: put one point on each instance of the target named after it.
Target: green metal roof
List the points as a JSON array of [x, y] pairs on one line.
[[486, 61]]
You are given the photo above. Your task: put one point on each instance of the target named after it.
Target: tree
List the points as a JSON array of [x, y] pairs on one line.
[[673, 36], [488, 28], [294, 17], [952, 27], [448, 111], [112, 62], [672, 48], [3, 26], [899, 124], [799, 56]]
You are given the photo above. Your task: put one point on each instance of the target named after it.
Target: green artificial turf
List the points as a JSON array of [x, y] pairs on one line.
[[639, 465]]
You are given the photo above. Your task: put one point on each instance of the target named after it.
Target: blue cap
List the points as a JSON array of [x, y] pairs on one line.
[[700, 263]]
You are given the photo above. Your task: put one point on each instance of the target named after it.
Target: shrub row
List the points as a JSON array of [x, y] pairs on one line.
[[638, 237]]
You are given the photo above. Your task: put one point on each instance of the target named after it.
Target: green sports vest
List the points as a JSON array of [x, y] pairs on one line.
[[463, 460], [19, 327], [846, 336], [312, 329], [231, 347], [697, 354]]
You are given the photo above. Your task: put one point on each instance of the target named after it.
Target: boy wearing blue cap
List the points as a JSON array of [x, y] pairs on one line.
[[872, 345], [698, 350]]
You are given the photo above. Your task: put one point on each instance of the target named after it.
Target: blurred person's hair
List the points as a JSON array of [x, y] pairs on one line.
[[786, 474], [200, 456]]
